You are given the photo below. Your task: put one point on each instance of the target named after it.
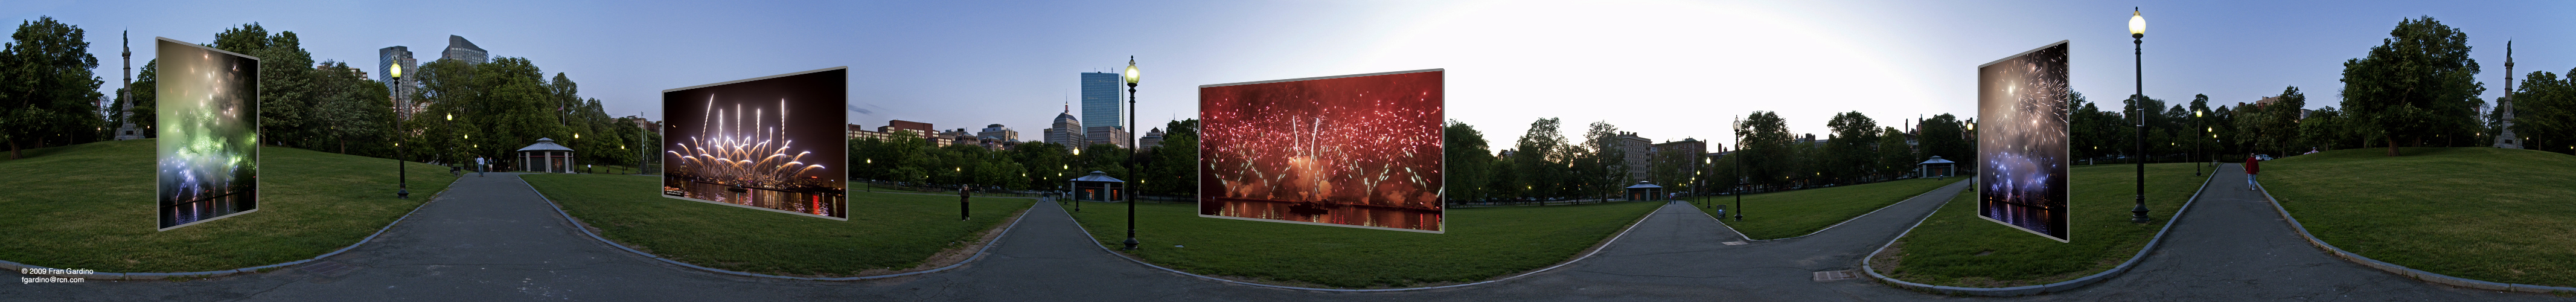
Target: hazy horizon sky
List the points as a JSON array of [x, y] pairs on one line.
[[1665, 69]]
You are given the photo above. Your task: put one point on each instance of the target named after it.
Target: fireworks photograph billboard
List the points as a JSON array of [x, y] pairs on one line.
[[770, 143], [2022, 154], [1354, 151], [206, 162]]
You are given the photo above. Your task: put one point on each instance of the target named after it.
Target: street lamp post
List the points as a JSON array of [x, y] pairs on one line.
[[402, 173], [2195, 144], [1739, 168], [1131, 153], [451, 149], [2138, 41]]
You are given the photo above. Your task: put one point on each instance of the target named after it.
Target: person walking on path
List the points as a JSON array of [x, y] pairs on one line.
[[2252, 165]]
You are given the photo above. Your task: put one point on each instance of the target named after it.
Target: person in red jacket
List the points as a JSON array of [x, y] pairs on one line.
[[2251, 167]]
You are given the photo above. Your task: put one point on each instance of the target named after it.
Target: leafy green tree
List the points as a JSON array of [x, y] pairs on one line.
[[1173, 165], [1468, 164], [352, 108], [1049, 165], [1852, 152], [47, 93], [1765, 146], [1894, 156], [2280, 123], [2416, 84], [1604, 168], [2545, 112], [1945, 136], [287, 100], [2325, 129], [1542, 160]]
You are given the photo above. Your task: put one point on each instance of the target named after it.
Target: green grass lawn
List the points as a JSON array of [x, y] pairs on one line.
[[1954, 247], [90, 206], [886, 232], [1481, 243], [1798, 213], [2490, 214]]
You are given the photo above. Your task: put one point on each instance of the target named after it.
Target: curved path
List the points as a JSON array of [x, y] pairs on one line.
[[495, 240], [2233, 247]]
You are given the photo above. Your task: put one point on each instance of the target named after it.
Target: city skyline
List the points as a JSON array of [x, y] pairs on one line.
[[1512, 59]]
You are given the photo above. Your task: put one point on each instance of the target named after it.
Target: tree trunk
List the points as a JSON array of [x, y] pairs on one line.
[[13, 149], [2392, 146]]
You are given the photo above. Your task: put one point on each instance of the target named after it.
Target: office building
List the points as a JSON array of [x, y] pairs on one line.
[[1637, 150], [461, 50], [386, 59], [1152, 139], [1107, 135], [1100, 104], [998, 133]]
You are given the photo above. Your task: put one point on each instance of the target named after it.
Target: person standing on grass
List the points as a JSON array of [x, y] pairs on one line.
[[961, 202], [2251, 166]]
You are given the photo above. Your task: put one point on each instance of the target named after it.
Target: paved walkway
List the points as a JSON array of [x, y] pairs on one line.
[[493, 239], [2233, 246]]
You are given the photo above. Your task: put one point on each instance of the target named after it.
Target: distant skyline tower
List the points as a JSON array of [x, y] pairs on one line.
[[461, 50], [386, 58], [1101, 109]]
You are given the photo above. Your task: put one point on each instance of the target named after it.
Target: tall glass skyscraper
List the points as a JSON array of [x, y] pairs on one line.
[[1100, 103]]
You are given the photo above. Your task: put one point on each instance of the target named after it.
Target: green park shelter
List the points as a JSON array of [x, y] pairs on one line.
[[545, 156], [1948, 168], [1645, 191], [1097, 187]]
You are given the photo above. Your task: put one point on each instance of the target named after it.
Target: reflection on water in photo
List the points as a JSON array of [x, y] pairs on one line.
[[801, 202], [1360, 215]]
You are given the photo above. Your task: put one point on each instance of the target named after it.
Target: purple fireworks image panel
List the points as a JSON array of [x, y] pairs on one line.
[[2022, 141], [207, 164], [772, 143], [1358, 150]]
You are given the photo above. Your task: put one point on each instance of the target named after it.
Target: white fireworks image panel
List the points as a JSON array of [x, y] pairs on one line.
[[2022, 153]]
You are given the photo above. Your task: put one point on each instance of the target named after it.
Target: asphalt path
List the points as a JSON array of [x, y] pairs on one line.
[[2233, 246], [493, 239]]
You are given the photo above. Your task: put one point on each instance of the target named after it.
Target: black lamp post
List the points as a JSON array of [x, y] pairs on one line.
[[2138, 40], [445, 155], [2195, 144], [402, 173], [1739, 168], [1131, 154]]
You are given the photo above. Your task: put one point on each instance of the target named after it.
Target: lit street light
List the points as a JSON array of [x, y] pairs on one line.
[[402, 173], [2138, 38], [1131, 155]]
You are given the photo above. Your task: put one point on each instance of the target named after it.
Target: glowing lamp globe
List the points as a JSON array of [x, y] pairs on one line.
[[1131, 71], [2137, 24], [396, 70]]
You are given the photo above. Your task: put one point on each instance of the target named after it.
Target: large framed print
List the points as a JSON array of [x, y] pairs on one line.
[[1355, 151], [2022, 154], [771, 143], [206, 161]]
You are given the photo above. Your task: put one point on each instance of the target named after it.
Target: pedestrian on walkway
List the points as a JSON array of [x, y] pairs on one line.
[[2252, 166], [481, 168]]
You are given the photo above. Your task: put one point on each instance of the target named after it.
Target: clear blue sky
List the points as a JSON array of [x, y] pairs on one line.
[[1666, 69]]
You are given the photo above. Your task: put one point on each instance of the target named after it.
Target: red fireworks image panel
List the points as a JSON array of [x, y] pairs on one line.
[[1360, 151]]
